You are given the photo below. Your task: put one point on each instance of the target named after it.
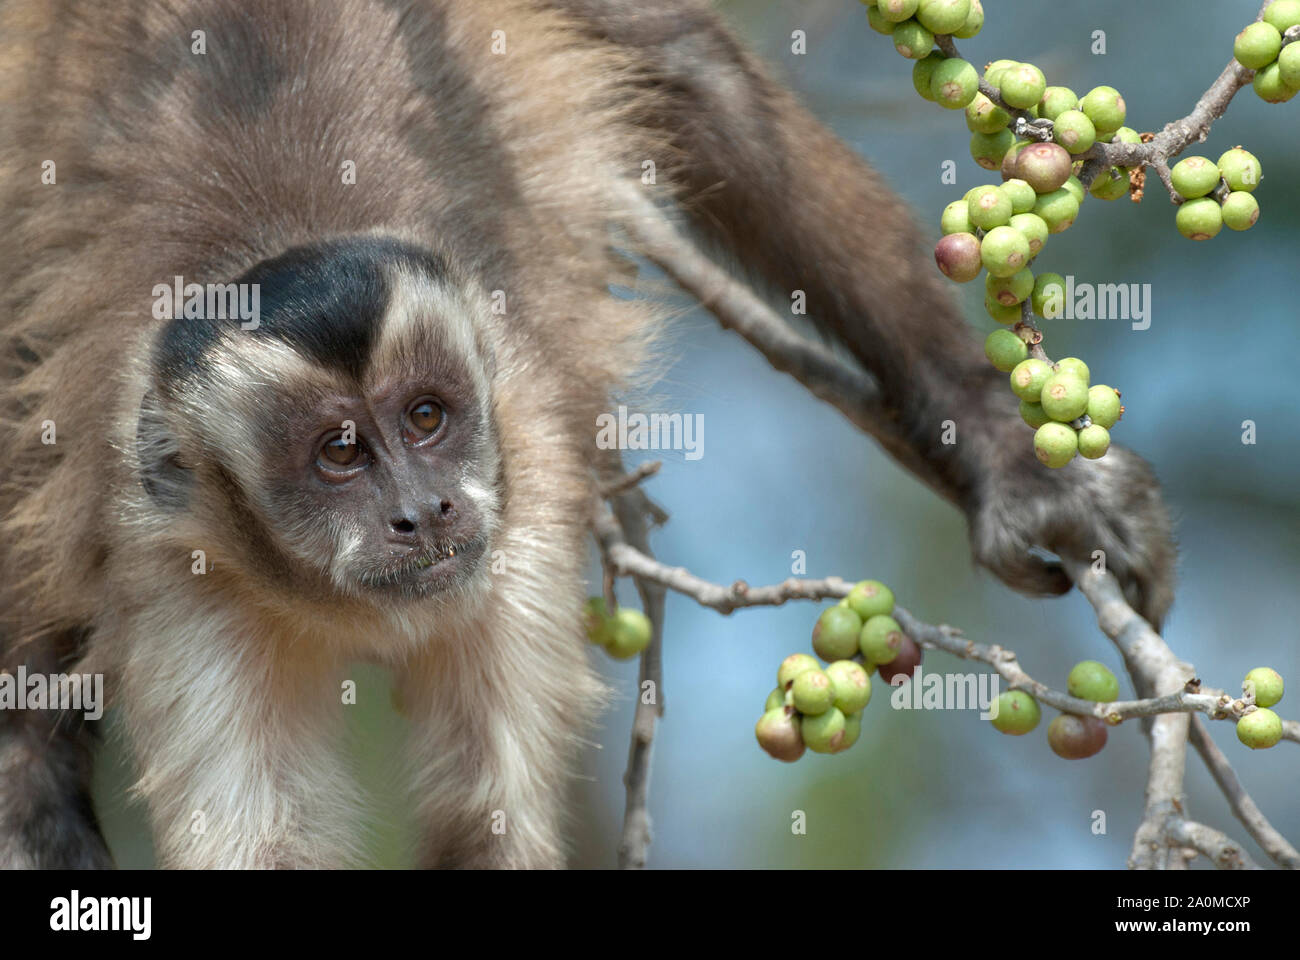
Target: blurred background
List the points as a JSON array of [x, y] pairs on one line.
[[782, 472]]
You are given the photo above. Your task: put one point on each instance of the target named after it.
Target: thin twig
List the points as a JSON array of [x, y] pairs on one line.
[[626, 560], [1162, 171], [836, 381], [1243, 807], [1224, 853], [1156, 671], [631, 517], [739, 309], [642, 472]]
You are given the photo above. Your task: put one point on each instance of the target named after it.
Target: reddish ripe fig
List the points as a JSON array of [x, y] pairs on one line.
[[1044, 166], [1076, 738], [778, 733], [904, 664], [958, 256]]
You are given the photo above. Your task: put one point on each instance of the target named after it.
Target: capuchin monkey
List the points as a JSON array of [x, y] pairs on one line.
[[390, 456]]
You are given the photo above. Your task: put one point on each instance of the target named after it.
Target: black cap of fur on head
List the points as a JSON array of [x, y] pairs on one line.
[[325, 300]]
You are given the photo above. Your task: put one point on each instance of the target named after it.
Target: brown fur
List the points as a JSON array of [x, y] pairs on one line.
[[170, 163], [203, 190]]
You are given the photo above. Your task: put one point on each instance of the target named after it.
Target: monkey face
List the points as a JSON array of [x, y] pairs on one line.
[[344, 443], [388, 484]]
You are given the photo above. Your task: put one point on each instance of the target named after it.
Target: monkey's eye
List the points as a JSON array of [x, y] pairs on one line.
[[423, 418], [336, 455]]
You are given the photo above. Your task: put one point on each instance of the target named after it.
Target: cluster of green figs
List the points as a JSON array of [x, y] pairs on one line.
[[1269, 47], [1034, 135], [820, 708]]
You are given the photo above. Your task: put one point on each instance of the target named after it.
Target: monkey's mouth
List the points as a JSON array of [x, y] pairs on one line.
[[432, 567], [434, 556]]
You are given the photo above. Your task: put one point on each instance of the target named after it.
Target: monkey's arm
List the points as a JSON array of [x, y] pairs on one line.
[[232, 731], [766, 180]]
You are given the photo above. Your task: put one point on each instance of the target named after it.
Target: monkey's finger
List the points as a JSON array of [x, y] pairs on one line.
[[1020, 567]]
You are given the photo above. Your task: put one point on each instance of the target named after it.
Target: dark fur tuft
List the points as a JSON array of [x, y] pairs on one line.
[[326, 300]]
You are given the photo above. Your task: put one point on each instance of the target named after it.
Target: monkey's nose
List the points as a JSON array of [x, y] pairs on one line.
[[406, 526]]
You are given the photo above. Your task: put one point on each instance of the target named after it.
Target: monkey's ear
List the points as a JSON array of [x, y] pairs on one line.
[[162, 475]]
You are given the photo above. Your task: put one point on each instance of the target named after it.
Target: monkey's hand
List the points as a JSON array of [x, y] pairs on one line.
[[1112, 505]]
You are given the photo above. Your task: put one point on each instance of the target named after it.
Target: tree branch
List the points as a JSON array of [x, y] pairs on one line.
[[626, 560], [833, 380], [1155, 671], [629, 480], [629, 523], [1153, 664], [1243, 807], [1171, 141], [1223, 852], [1291, 730]]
